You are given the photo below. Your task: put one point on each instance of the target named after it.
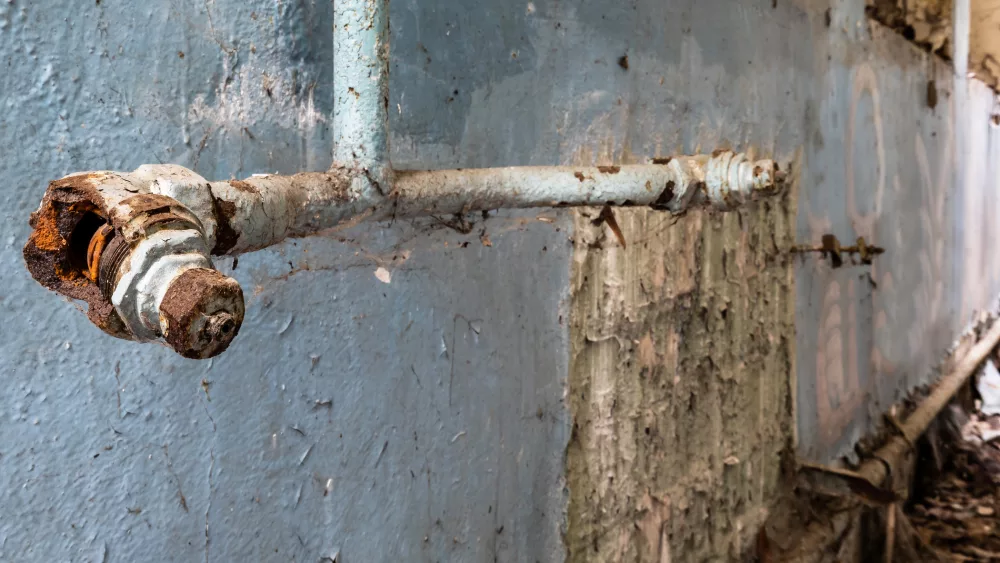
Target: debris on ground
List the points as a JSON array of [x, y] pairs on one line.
[[957, 512], [989, 389]]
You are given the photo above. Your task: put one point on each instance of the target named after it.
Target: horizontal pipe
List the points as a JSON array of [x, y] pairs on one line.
[[875, 469], [674, 184], [264, 209], [238, 216], [442, 192], [143, 221]]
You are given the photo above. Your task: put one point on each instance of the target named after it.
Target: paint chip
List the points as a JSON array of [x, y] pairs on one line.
[[383, 275]]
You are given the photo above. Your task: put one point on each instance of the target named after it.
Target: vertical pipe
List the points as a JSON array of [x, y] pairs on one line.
[[361, 84], [961, 12]]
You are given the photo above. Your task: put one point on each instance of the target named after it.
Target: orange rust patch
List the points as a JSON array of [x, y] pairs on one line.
[[95, 248], [148, 202], [47, 251], [243, 186], [78, 181], [46, 234], [609, 169]]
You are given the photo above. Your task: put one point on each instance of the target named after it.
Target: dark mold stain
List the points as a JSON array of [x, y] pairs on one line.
[[666, 196], [225, 235]]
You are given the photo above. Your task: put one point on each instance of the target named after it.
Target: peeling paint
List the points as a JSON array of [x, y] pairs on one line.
[[679, 382]]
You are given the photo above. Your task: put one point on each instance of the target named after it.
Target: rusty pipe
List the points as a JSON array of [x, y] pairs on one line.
[[264, 209], [723, 180], [137, 246]]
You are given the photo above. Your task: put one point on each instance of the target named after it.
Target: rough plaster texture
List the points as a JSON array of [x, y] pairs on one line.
[[927, 23], [984, 41], [872, 123], [682, 348]]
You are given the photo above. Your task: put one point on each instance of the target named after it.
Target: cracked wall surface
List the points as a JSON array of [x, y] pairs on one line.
[[887, 145]]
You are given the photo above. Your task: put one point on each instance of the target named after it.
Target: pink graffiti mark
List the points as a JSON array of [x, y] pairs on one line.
[[839, 390]]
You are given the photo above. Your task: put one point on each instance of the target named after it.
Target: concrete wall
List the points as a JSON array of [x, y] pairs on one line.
[[902, 160], [418, 420], [681, 350], [490, 402], [683, 366]]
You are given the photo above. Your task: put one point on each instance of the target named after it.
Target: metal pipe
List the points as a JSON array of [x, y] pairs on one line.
[[437, 192], [361, 82], [146, 228], [136, 246], [891, 455], [264, 209], [673, 184]]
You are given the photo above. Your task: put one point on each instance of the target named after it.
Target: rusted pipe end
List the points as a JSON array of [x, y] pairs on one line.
[[140, 260], [201, 313], [59, 254]]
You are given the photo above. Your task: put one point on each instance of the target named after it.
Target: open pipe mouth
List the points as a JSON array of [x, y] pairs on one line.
[[86, 242], [59, 252]]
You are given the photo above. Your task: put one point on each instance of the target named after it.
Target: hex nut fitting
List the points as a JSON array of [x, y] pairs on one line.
[[201, 313]]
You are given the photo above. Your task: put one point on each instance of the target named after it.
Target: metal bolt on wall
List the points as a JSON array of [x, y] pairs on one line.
[[137, 246]]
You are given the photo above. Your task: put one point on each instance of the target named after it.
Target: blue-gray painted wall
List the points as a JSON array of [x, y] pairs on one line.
[[418, 420], [423, 419]]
